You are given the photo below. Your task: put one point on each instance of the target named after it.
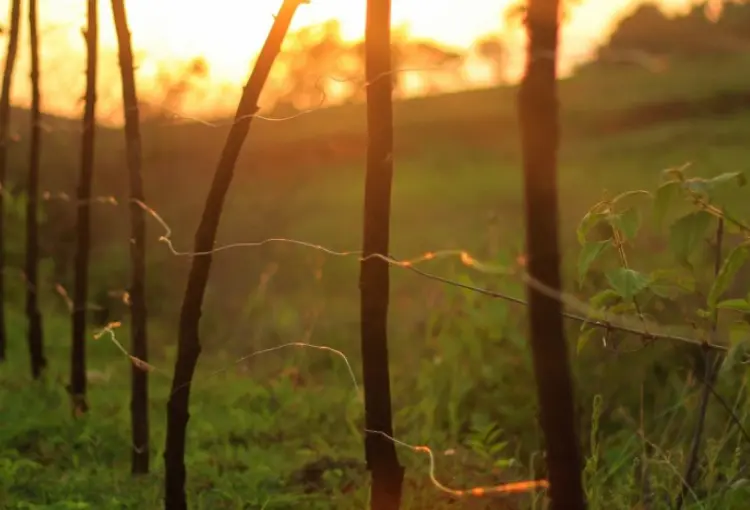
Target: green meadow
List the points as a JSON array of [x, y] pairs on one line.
[[282, 430]]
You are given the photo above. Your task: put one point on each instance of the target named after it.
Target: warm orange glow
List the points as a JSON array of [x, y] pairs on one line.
[[226, 34]]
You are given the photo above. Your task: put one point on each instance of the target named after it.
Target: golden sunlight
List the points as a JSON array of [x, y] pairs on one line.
[[204, 53]]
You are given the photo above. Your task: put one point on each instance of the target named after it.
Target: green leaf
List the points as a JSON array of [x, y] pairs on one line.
[[732, 264], [664, 196], [671, 283], [589, 221], [707, 186], [737, 178], [627, 283], [589, 253], [627, 222], [604, 297], [598, 304], [739, 305], [686, 234]]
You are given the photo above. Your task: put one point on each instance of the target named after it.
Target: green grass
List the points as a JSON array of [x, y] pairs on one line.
[[461, 372]]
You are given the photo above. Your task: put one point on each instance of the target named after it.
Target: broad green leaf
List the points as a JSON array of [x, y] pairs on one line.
[[707, 186], [686, 234], [671, 283], [589, 220], [739, 305], [627, 222], [627, 283], [664, 196], [731, 265], [589, 253]]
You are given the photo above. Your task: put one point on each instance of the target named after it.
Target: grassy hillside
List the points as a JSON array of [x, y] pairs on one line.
[[282, 431]]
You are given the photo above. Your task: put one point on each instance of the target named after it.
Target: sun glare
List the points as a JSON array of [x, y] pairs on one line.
[[226, 35]]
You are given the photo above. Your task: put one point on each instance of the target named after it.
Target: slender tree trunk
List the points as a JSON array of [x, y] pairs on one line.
[[139, 393], [36, 347], [711, 367], [382, 461], [83, 227], [188, 346], [538, 116], [10, 61]]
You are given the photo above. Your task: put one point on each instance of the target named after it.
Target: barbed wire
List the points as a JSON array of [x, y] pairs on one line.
[[581, 312], [524, 486], [641, 326], [467, 260]]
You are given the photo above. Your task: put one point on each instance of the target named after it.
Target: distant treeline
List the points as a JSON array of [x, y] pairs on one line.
[[698, 33]]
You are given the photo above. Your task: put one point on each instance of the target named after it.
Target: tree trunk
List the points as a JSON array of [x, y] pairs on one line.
[[10, 61], [83, 227], [139, 393], [382, 461], [188, 346], [538, 117], [36, 347]]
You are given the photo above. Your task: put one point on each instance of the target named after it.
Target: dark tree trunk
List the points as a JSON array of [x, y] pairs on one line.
[[538, 116], [382, 461], [36, 347], [188, 346], [83, 227], [139, 393], [10, 61]]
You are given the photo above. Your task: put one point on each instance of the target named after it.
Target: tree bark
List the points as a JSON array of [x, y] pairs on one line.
[[380, 453], [83, 227], [188, 346], [539, 123], [10, 61], [34, 315], [139, 376]]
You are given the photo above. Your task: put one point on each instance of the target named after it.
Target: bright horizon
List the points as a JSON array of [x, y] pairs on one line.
[[170, 33]]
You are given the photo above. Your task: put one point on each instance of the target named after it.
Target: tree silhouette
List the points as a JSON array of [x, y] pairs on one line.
[[139, 376], [36, 348], [10, 61], [83, 227], [387, 473], [539, 124], [188, 346]]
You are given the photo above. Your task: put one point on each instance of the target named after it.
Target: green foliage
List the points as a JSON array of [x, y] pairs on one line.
[[666, 193], [729, 269], [627, 222], [653, 291], [687, 233], [589, 253], [284, 430], [627, 283]]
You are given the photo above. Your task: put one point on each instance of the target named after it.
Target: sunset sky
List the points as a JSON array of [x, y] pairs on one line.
[[228, 34]]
